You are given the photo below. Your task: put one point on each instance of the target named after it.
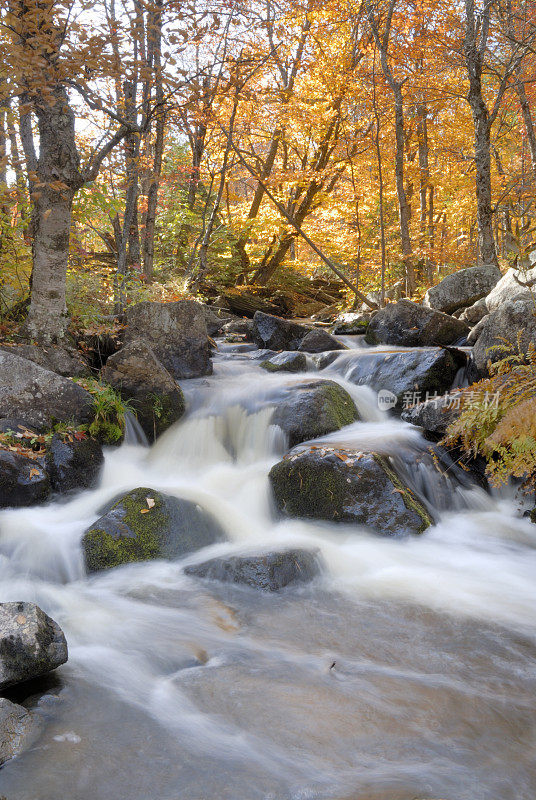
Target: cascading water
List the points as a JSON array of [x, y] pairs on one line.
[[406, 671]]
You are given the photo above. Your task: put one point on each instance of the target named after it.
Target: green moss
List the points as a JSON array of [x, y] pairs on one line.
[[410, 501], [135, 536], [338, 406], [317, 490]]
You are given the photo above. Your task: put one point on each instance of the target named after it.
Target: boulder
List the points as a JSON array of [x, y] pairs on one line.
[[287, 361], [270, 572], [501, 327], [23, 481], [176, 332], [319, 341], [408, 375], [410, 325], [215, 318], [73, 462], [513, 283], [19, 729], [239, 327], [435, 415], [462, 288], [351, 324], [31, 643], [313, 408], [61, 360], [144, 525], [139, 377], [39, 397], [347, 486], [275, 333], [475, 313]]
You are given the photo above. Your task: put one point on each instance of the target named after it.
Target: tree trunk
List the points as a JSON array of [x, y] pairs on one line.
[[403, 205], [59, 177], [474, 54]]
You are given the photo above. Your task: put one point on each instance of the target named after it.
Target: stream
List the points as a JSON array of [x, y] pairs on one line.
[[408, 670]]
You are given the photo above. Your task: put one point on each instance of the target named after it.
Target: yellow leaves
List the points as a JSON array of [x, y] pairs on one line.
[[34, 473]]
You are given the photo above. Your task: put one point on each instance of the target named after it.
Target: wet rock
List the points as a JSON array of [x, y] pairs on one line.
[[15, 426], [314, 408], [408, 375], [517, 316], [270, 572], [39, 397], [73, 463], [351, 324], [286, 362], [154, 395], [31, 643], [347, 486], [144, 525], [514, 283], [23, 481], [475, 313], [239, 327], [410, 325], [61, 360], [435, 415], [462, 288], [275, 333], [19, 729], [319, 341], [176, 332], [215, 318]]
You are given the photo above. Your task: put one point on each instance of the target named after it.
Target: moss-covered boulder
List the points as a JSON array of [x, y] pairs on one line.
[[286, 362], [153, 394], [314, 408], [145, 524], [347, 486]]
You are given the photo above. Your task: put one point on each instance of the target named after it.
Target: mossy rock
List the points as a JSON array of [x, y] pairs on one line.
[[347, 486], [145, 524], [286, 362], [314, 408]]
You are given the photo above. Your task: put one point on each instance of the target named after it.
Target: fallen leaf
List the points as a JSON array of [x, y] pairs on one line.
[[150, 502], [144, 510], [34, 473]]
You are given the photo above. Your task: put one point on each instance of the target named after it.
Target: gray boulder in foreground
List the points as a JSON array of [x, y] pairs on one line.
[[270, 572], [31, 643], [39, 397], [19, 729], [462, 288]]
